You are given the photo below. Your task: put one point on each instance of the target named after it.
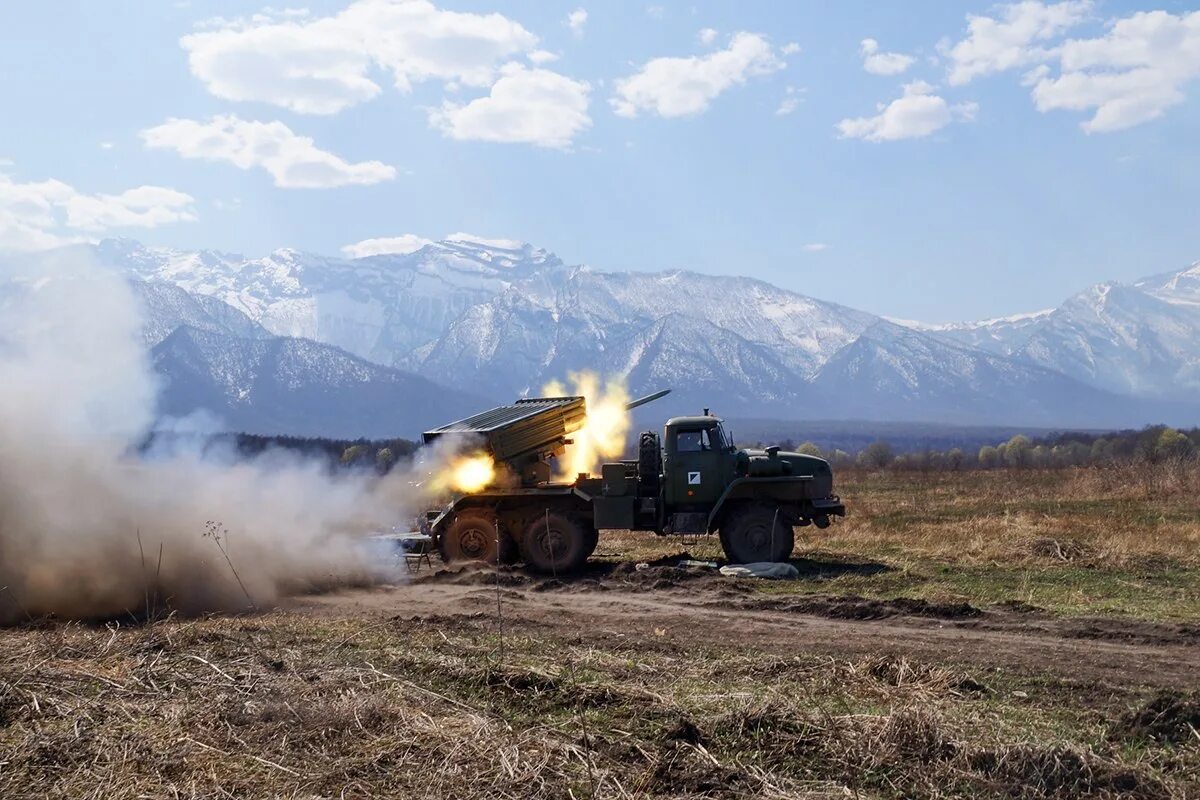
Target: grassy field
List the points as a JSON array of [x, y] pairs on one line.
[[669, 683], [1121, 541]]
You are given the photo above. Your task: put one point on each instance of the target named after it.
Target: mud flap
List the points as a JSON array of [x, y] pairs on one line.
[[688, 523]]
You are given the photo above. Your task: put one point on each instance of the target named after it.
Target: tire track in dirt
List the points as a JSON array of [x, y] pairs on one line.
[[657, 606]]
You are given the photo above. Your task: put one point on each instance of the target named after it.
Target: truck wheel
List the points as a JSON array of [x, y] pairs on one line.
[[747, 536], [555, 543], [472, 537]]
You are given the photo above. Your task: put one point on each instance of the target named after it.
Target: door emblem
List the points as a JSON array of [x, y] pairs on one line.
[[693, 479]]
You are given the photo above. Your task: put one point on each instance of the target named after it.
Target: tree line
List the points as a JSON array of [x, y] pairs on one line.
[[379, 455], [1152, 444]]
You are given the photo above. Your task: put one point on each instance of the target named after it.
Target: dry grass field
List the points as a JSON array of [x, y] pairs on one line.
[[986, 634]]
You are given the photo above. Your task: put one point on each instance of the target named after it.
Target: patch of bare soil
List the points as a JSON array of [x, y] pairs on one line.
[[661, 601], [850, 607]]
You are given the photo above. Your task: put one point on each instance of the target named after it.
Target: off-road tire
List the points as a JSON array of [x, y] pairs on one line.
[[747, 538], [471, 536], [649, 462], [557, 544]]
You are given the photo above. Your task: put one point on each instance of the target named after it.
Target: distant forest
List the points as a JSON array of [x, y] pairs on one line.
[[379, 455], [1154, 444]]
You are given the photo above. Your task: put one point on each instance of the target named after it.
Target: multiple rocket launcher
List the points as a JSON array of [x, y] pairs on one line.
[[526, 434]]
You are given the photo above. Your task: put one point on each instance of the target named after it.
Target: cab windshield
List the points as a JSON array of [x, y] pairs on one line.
[[702, 440], [720, 439]]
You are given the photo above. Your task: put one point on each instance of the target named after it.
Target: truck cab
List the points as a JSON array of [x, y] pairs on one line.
[[699, 461]]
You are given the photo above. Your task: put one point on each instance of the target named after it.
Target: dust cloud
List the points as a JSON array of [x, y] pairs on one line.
[[91, 529]]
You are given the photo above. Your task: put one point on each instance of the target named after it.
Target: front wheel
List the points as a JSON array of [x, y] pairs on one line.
[[757, 533], [556, 543], [472, 536]]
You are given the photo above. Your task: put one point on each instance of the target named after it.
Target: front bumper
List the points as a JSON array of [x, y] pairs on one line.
[[829, 506]]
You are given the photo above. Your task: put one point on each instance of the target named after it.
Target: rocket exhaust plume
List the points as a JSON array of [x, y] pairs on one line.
[[604, 434], [83, 519]]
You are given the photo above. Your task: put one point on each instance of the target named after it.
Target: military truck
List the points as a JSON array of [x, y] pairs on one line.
[[693, 480]]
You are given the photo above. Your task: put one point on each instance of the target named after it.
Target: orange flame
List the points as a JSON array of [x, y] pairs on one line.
[[467, 473], [604, 434]]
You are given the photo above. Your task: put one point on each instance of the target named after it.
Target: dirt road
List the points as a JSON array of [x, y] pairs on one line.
[[682, 609]]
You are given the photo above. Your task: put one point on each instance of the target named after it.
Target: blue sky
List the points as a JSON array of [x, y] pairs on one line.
[[976, 160]]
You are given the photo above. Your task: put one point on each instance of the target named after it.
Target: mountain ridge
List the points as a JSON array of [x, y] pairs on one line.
[[501, 318]]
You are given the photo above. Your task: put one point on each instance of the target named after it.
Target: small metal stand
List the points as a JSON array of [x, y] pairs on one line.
[[412, 546], [413, 560]]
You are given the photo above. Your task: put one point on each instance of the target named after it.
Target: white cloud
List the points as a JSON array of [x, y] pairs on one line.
[[816, 247], [576, 20], [391, 245], [43, 214], [532, 106], [293, 161], [322, 65], [1015, 40], [656, 12], [677, 87], [707, 36], [143, 207], [1131, 75], [498, 244], [790, 49], [916, 114], [878, 63], [107, 145], [540, 57], [791, 101]]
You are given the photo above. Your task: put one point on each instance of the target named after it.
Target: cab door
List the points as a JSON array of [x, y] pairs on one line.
[[693, 468]]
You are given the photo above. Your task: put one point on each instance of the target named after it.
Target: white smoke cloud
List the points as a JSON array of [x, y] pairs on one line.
[[75, 497]]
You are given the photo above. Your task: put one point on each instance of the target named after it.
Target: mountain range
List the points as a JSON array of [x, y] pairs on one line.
[[301, 343]]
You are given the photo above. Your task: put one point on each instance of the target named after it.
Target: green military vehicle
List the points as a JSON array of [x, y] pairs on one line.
[[692, 480]]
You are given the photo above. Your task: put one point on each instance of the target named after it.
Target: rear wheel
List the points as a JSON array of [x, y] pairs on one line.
[[556, 543], [756, 533], [472, 537]]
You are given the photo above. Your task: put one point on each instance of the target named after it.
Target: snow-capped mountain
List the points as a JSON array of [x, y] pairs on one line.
[[378, 307], [1141, 340], [166, 307], [210, 356], [950, 381], [297, 387], [733, 335], [499, 319]]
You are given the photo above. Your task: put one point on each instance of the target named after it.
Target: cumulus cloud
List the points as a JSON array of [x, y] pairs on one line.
[[532, 106], [878, 63], [707, 36], [815, 247], [1016, 39], [916, 114], [791, 101], [143, 207], [293, 161], [542, 57], [38, 215], [390, 245], [322, 65], [678, 87], [1131, 75], [576, 20], [790, 49]]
